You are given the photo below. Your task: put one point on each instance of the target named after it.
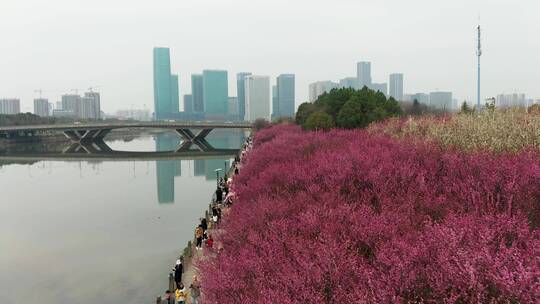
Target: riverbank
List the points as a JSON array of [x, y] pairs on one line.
[[218, 209]]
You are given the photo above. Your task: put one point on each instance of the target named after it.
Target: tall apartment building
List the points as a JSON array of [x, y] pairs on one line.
[[511, 100], [41, 107], [10, 106], [396, 86], [363, 73], [257, 89]]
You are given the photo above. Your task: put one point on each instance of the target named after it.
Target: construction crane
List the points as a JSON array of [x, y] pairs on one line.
[[40, 91], [91, 89]]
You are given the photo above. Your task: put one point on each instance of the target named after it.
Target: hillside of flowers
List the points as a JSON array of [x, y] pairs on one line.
[[498, 131], [348, 216]]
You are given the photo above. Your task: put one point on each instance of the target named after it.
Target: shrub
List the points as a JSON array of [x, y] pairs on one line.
[[499, 131], [319, 121], [348, 217]]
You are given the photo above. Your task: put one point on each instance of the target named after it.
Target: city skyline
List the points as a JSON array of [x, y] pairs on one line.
[[435, 52]]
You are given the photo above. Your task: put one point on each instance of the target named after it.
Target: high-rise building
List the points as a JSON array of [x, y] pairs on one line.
[[349, 82], [96, 104], [363, 73], [197, 93], [240, 90], [511, 100], [233, 109], [318, 88], [41, 107], [396, 86], [257, 97], [285, 96], [88, 108], [275, 102], [215, 93], [420, 97], [380, 87], [188, 103], [441, 100], [10, 106], [175, 95], [162, 83], [72, 103]]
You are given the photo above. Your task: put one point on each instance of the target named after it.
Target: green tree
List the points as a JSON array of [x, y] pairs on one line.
[[465, 109], [303, 112], [333, 101], [352, 114], [416, 108], [319, 121]]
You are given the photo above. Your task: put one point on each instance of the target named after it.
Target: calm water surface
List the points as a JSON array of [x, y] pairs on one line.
[[100, 232]]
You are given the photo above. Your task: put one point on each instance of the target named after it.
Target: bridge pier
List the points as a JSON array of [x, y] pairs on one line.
[[88, 147], [189, 138], [77, 136]]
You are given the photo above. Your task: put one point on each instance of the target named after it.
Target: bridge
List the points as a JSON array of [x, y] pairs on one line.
[[87, 133]]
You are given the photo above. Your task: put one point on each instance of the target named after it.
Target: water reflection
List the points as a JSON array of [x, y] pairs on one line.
[[83, 226], [166, 170]]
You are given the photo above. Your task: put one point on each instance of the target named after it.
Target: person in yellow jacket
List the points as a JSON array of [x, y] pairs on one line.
[[198, 236], [181, 294]]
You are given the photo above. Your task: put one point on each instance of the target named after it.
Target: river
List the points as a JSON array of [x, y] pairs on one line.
[[101, 231]]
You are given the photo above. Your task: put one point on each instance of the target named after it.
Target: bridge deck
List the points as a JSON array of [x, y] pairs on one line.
[[149, 125]]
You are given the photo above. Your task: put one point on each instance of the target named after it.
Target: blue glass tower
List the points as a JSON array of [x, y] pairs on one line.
[[215, 93], [162, 83]]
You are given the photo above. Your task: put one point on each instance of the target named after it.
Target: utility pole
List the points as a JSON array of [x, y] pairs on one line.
[[478, 54]]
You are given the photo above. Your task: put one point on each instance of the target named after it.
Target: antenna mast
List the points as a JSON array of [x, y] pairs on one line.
[[478, 54]]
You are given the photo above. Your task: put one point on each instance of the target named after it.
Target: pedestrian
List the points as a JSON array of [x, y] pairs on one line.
[[210, 242], [195, 289], [219, 195], [178, 270], [198, 237], [167, 298], [181, 294], [204, 224]]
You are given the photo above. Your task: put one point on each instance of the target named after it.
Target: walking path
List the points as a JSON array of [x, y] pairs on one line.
[[218, 208]]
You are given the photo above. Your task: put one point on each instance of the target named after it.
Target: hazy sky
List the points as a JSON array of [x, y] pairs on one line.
[[59, 45]]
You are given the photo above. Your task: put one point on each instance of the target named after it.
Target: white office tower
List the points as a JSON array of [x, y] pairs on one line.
[[41, 107], [363, 73], [349, 82], [257, 97], [396, 86], [96, 105], [380, 87], [441, 100], [10, 106], [318, 88]]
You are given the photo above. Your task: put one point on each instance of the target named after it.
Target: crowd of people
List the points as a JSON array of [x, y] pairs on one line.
[[223, 198]]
